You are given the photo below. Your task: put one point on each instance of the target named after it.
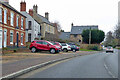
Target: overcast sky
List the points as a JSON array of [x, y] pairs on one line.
[[103, 13]]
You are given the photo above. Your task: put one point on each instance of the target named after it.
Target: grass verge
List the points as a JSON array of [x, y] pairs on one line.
[[86, 50]]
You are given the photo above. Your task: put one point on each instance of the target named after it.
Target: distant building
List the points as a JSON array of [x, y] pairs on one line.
[[12, 26], [32, 26], [76, 33], [64, 35]]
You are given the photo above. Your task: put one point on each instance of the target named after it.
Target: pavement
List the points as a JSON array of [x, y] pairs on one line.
[[99, 65], [20, 64]]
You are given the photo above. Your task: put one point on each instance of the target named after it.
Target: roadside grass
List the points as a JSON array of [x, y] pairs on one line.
[[86, 50]]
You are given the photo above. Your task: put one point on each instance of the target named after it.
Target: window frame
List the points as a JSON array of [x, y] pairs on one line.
[[22, 23], [11, 42], [1, 14], [5, 17], [12, 19], [22, 36], [17, 21]]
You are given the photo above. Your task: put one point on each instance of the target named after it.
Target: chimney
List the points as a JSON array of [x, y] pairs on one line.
[[72, 25], [47, 15], [23, 6], [35, 8], [5, 1], [31, 12]]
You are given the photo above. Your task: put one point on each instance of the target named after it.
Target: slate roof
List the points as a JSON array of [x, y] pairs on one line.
[[10, 7], [79, 29], [44, 19], [64, 35]]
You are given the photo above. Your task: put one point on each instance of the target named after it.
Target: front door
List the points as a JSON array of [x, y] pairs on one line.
[[5, 38], [0, 38], [17, 39]]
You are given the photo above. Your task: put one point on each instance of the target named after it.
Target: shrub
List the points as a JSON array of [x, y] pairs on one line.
[[93, 47]]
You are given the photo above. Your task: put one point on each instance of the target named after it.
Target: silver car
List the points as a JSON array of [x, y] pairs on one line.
[[109, 49]]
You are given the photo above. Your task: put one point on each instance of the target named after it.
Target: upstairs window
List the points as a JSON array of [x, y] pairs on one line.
[[0, 14], [5, 16], [21, 23], [29, 25], [17, 22], [12, 19]]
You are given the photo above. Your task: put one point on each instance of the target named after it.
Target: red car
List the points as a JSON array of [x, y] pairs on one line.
[[58, 44], [44, 45]]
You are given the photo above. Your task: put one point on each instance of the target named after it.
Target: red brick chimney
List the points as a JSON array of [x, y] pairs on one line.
[[23, 6], [31, 12]]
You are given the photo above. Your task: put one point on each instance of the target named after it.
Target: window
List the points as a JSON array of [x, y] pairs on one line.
[[12, 19], [5, 16], [46, 27], [11, 37], [45, 43], [0, 14], [49, 28], [29, 37], [17, 22], [39, 42], [21, 39], [29, 25], [22, 23], [75, 35]]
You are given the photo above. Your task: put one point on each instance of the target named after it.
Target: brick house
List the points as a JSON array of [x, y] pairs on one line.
[[12, 26]]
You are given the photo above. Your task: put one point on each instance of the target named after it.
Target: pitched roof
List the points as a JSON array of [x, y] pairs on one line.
[[64, 35], [44, 19], [10, 7], [79, 29]]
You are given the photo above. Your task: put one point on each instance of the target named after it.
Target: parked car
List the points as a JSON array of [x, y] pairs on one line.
[[44, 45], [58, 44], [74, 48], [109, 49], [65, 47]]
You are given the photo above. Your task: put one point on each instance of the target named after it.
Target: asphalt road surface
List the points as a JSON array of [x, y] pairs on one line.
[[100, 65]]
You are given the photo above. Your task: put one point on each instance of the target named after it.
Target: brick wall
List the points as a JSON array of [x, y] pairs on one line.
[[8, 27]]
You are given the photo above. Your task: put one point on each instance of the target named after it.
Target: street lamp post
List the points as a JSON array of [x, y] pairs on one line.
[[90, 36]]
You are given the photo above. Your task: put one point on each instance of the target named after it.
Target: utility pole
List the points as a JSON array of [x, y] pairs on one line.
[[90, 36]]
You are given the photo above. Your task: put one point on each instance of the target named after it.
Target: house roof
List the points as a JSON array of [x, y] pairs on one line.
[[79, 29], [64, 35], [10, 7], [44, 20]]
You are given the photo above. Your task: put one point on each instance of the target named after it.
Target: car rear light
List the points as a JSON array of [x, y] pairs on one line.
[[69, 46]]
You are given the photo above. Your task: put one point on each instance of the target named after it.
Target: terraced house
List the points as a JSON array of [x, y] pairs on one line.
[[32, 26], [12, 26]]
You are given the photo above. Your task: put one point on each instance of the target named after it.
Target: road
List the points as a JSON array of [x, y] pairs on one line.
[[100, 65]]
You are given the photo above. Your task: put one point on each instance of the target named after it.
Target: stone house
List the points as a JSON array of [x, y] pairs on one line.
[[12, 26], [47, 29], [32, 26], [76, 32]]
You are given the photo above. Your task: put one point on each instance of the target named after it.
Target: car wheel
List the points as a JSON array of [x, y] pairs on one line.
[[65, 50], [33, 49], [52, 51], [74, 50]]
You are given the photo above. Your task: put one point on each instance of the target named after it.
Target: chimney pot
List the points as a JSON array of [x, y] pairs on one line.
[[23, 6], [47, 15], [31, 12]]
